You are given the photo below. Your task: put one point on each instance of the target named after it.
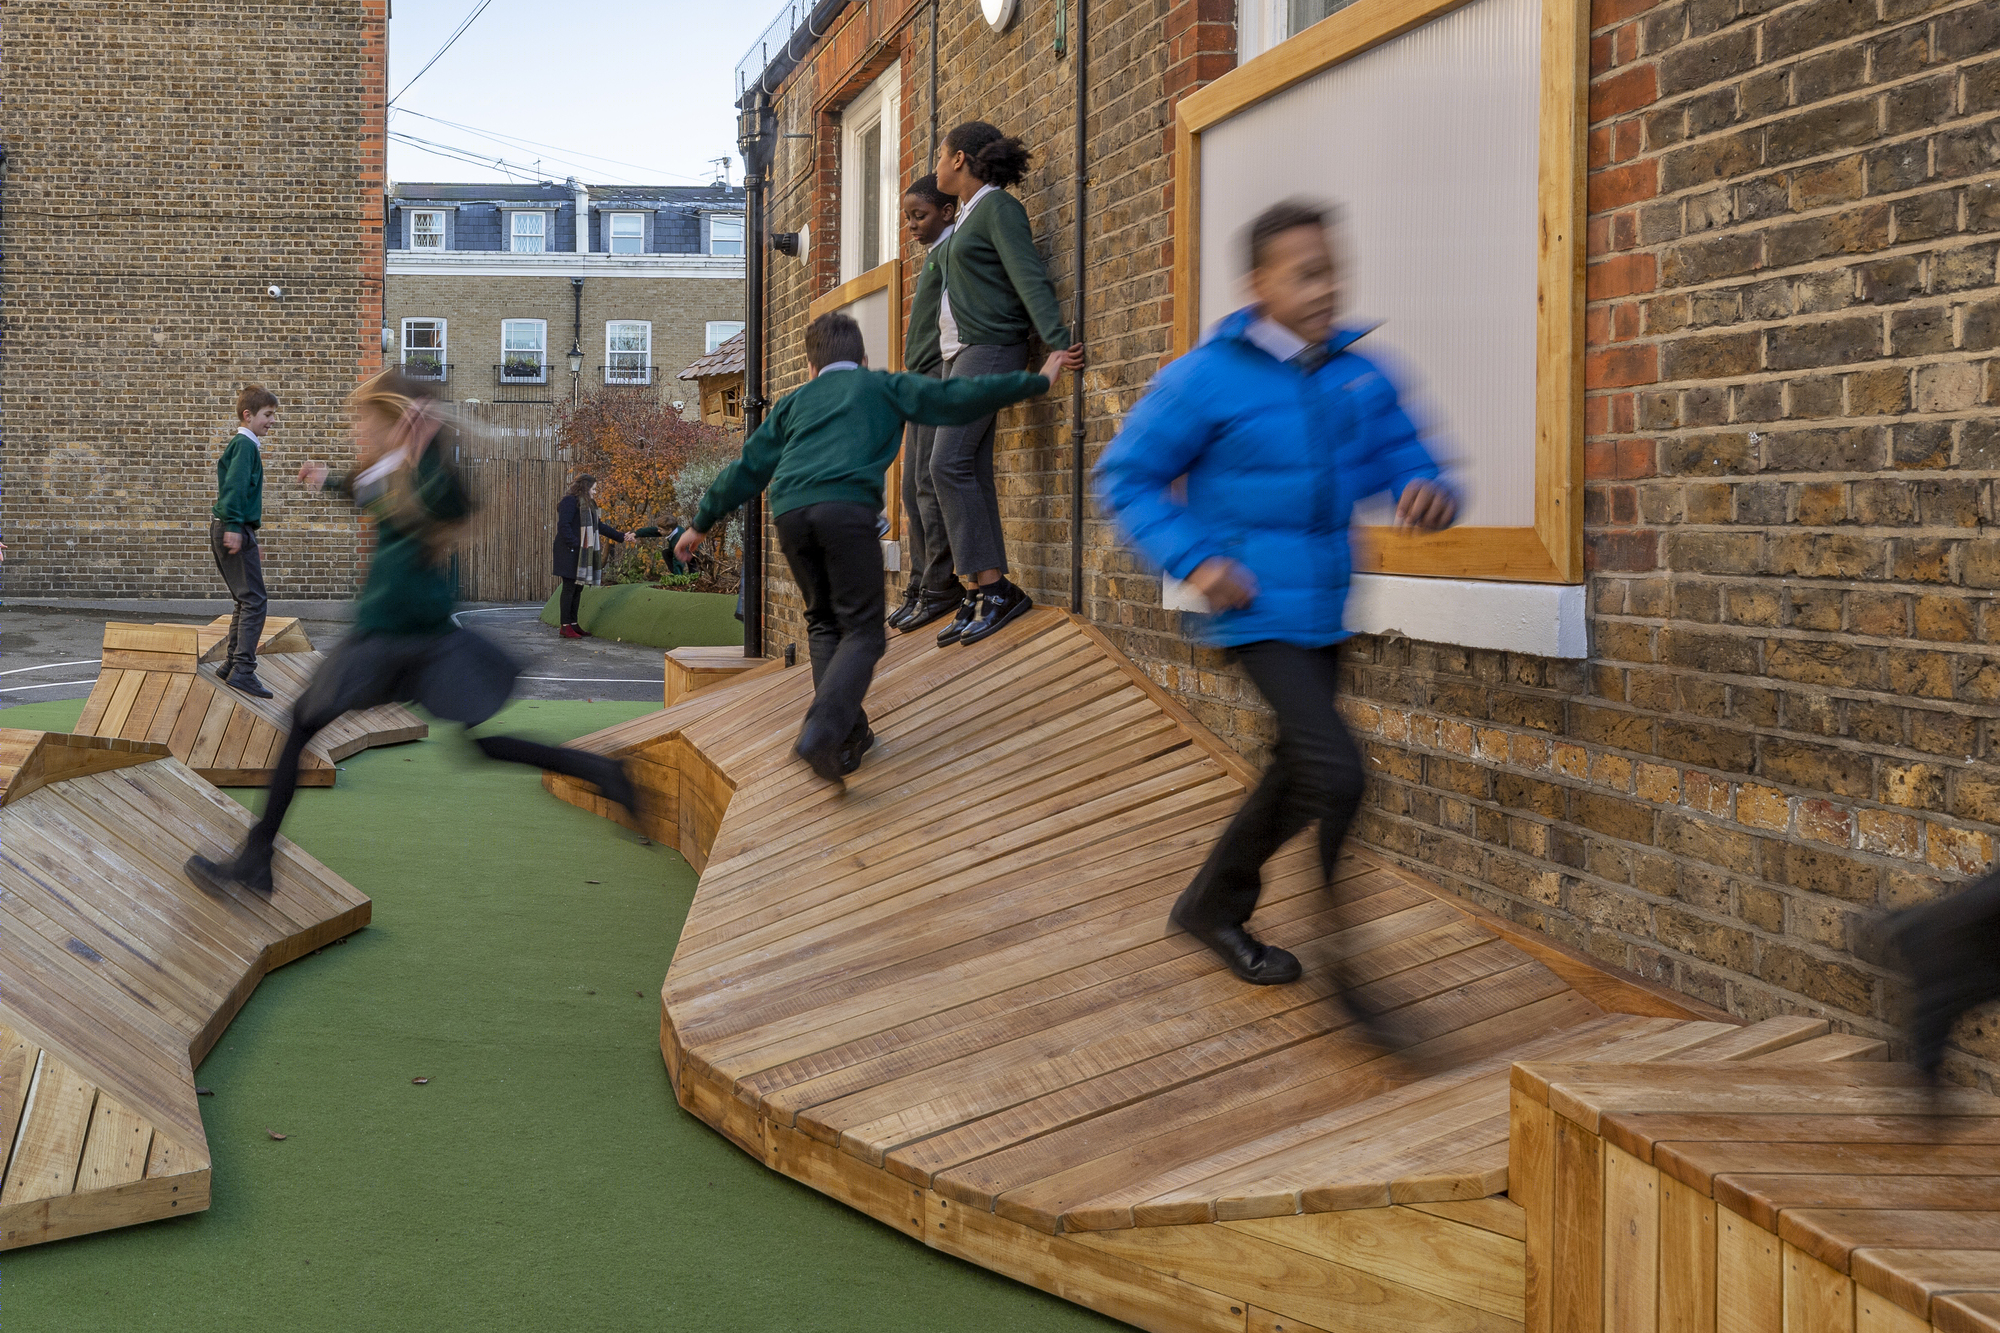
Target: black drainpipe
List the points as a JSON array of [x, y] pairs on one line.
[[756, 136], [1076, 498]]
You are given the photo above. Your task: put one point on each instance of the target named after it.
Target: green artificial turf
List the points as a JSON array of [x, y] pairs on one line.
[[544, 1178], [641, 613]]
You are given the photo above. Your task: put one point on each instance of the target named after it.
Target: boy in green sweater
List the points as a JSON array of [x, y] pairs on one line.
[[823, 453], [232, 534]]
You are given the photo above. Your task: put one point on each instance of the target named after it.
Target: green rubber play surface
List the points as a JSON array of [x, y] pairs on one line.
[[641, 613], [543, 1179]]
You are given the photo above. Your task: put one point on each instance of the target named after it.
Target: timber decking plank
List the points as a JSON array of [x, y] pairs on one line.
[[1698, 1163], [115, 1153], [52, 1132], [1762, 1198], [139, 721], [1831, 1235], [1916, 1276]]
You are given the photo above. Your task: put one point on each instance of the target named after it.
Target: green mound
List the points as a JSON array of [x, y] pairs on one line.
[[641, 613]]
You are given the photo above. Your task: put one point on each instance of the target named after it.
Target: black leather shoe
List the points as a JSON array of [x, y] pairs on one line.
[[851, 752], [968, 607], [822, 754], [1258, 964], [247, 682], [995, 610], [218, 878], [931, 608], [901, 615]]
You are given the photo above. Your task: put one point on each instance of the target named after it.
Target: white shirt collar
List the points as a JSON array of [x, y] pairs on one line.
[[382, 466], [945, 235], [965, 209], [245, 430], [1275, 338], [838, 365]]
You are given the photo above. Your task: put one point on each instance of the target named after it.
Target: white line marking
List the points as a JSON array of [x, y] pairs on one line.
[[47, 666], [16, 689]]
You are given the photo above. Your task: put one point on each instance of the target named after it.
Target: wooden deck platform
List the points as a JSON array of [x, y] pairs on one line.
[[950, 998], [689, 670], [1838, 1199], [159, 683], [120, 975]]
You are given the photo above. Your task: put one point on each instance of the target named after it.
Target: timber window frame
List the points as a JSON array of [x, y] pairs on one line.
[[433, 351], [718, 332], [1551, 549], [523, 341], [725, 234], [427, 229], [628, 364], [626, 227], [530, 239]]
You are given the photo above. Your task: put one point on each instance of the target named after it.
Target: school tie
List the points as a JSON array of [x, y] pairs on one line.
[[1310, 358]]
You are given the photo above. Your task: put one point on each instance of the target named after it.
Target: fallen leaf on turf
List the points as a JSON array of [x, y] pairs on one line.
[[590, 992], [593, 881], [276, 1135], [420, 1080], [641, 994], [204, 1092]]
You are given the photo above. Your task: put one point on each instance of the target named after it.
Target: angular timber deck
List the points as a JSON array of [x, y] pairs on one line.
[[159, 683], [950, 998], [119, 975]]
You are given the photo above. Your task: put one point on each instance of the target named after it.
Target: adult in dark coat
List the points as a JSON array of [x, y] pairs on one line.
[[579, 549]]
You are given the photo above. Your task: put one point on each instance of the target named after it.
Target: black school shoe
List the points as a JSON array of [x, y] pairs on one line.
[[968, 607], [824, 754], [218, 877], [902, 613], [931, 607], [246, 681], [854, 748], [998, 603]]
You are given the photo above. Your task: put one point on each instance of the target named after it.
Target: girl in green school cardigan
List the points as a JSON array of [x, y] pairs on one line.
[[995, 293]]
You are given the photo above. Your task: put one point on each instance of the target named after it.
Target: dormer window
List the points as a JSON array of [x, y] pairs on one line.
[[725, 234], [625, 233], [427, 229], [528, 234]]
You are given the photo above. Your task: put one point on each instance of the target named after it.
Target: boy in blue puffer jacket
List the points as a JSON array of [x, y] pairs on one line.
[[1278, 429]]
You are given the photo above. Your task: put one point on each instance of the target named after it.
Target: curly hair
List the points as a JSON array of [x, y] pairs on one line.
[[995, 158]]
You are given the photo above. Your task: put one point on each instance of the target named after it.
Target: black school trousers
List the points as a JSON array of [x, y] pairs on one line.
[[1316, 773], [836, 559]]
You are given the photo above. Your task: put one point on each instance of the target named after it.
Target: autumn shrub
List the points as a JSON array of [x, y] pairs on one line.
[[652, 467]]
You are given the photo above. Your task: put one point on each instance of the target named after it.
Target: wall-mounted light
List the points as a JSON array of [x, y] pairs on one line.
[[1000, 13], [275, 292], [785, 242]]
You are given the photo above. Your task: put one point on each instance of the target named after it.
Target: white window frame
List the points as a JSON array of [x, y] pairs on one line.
[[880, 103], [741, 229], [1263, 24], [718, 332], [514, 234], [410, 216], [611, 221], [541, 354], [612, 374], [443, 343]]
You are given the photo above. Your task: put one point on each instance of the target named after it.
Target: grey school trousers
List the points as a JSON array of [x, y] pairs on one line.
[[930, 547], [243, 572], [962, 469]]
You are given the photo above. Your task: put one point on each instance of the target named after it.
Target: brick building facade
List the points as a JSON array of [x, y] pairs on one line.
[[657, 295], [163, 172], [1789, 716]]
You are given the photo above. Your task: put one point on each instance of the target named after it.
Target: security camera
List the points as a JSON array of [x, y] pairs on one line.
[[277, 293]]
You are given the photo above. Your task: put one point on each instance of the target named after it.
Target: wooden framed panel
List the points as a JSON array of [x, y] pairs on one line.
[[1532, 530], [875, 299]]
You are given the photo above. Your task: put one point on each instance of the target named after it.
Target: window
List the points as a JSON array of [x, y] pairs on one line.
[[869, 151], [423, 349], [725, 234], [1262, 24], [628, 352], [524, 346], [626, 233], [427, 229], [530, 231], [721, 331]]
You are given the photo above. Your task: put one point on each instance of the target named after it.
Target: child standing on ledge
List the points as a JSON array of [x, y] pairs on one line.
[[824, 453], [232, 534]]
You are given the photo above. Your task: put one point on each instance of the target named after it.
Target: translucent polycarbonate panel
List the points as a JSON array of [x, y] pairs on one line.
[[871, 312], [1429, 144]]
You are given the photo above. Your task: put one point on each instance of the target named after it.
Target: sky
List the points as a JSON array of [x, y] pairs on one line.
[[646, 83]]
